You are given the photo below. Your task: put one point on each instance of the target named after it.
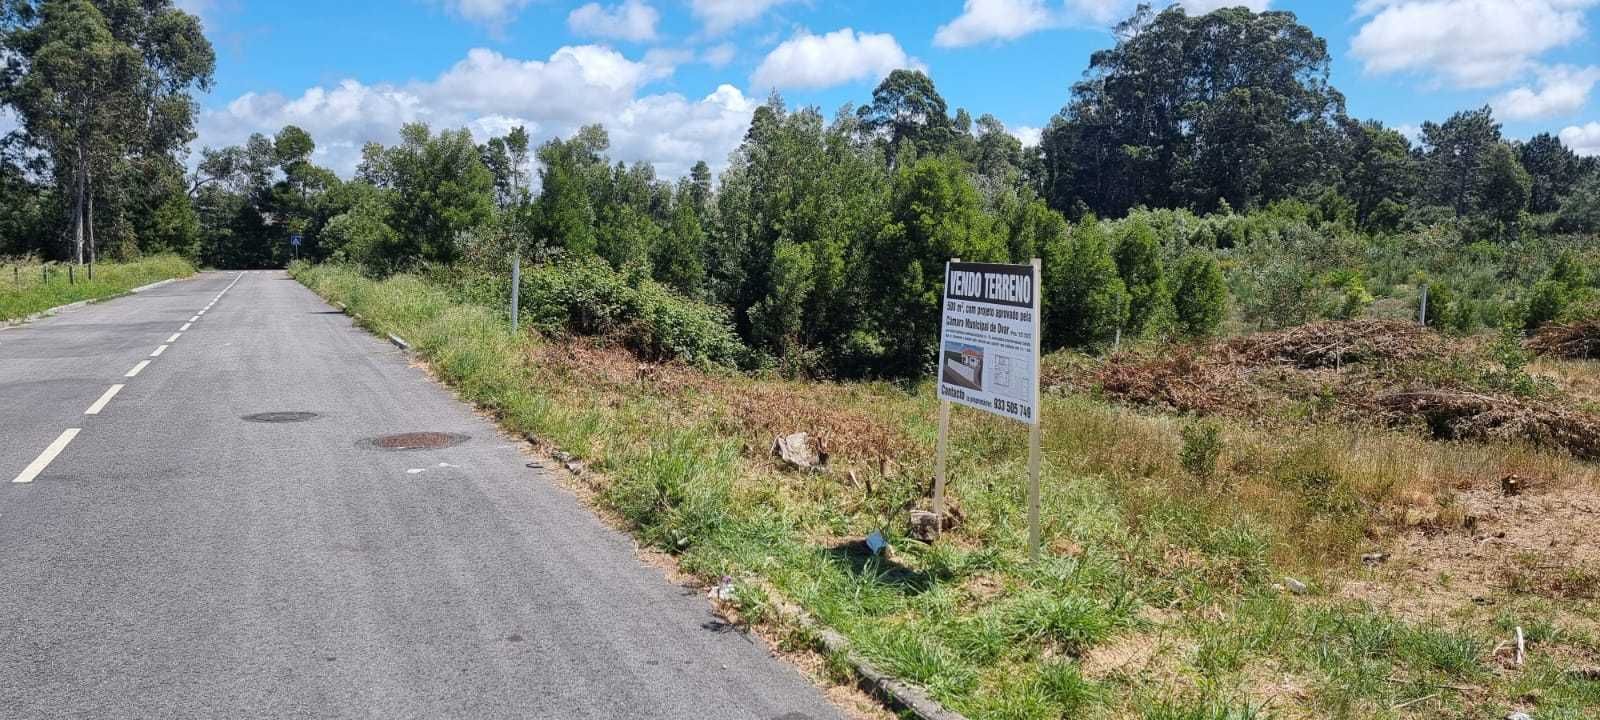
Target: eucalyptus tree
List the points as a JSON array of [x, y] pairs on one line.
[[102, 87], [1194, 111]]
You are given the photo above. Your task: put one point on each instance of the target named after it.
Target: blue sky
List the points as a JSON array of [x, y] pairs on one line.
[[675, 80]]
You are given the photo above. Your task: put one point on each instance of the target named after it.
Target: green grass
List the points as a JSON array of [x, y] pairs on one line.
[[28, 288], [1146, 557]]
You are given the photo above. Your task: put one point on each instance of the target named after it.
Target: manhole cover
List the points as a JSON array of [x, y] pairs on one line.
[[417, 441], [280, 417]]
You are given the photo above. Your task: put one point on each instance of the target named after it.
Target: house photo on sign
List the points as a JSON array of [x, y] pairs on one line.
[[989, 341]]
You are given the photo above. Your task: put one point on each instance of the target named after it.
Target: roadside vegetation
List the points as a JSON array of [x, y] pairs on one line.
[[28, 287], [1175, 544], [1321, 404]]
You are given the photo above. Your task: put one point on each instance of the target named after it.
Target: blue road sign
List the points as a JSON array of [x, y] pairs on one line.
[[294, 240]]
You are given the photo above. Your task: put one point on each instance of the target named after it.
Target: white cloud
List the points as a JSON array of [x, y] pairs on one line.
[[489, 93], [1108, 12], [986, 20], [1469, 43], [720, 15], [1583, 139], [1412, 131], [719, 56], [819, 61], [1029, 136], [1563, 90], [632, 20], [491, 13]]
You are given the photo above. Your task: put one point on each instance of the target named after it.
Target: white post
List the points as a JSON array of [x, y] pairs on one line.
[[1034, 429], [1422, 313], [941, 446], [516, 285], [938, 466]]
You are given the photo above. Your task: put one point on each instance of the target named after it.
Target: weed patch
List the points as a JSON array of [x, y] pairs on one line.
[[1155, 597]]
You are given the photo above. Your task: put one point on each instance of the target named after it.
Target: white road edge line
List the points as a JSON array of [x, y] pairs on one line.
[[43, 461], [101, 403], [185, 328], [175, 337], [137, 368], [157, 352], [195, 319], [198, 314]]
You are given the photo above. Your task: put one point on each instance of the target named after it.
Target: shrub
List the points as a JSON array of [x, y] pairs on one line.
[[590, 298], [1202, 446], [1200, 299], [1138, 257], [1085, 299], [1546, 302]]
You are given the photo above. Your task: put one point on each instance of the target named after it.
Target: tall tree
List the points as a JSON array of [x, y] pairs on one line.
[[102, 86], [908, 115], [1379, 173], [1455, 155], [1230, 106], [1552, 168], [439, 188], [570, 173], [1506, 186]]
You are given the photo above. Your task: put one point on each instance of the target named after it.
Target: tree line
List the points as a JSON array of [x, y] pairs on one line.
[[1192, 178]]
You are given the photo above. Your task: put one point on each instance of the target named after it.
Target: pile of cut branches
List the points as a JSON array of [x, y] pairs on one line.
[[1336, 343], [1233, 375], [1454, 415], [1574, 341], [1187, 380]]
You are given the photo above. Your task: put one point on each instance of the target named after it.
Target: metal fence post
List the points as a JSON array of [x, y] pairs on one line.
[[516, 285]]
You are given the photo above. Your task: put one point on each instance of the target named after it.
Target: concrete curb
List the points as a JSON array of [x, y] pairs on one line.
[[44, 314], [403, 345], [74, 305], [153, 285], [897, 694]]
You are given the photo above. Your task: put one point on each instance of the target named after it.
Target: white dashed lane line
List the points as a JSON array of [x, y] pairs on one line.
[[60, 443], [43, 461], [101, 403]]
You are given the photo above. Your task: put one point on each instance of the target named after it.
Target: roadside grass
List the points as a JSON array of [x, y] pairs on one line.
[[29, 287], [1159, 594]]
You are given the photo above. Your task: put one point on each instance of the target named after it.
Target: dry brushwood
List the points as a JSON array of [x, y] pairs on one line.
[[1340, 342], [1573, 341], [1183, 381], [1218, 377], [1471, 416]]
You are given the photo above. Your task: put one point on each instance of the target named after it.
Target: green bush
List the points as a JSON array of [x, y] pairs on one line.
[[1200, 299], [590, 298], [1085, 300], [1202, 446], [1546, 302]]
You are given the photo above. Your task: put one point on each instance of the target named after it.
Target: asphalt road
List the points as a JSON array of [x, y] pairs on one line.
[[176, 561]]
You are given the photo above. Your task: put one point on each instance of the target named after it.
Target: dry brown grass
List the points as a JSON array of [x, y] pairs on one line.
[[1537, 544], [1579, 378], [758, 410], [1579, 340]]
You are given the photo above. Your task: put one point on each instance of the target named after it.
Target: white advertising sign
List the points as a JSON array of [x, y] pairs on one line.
[[989, 342]]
